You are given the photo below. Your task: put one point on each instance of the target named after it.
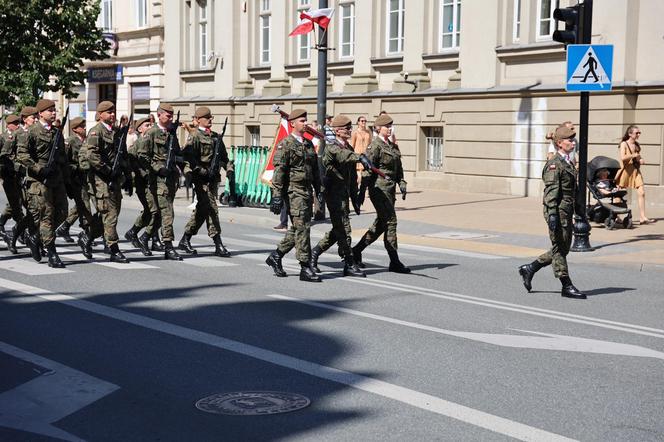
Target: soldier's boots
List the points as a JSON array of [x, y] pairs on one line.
[[33, 243], [157, 245], [170, 252], [5, 236], [185, 245], [63, 232], [274, 261], [569, 291], [117, 255], [144, 244], [315, 254], [106, 249], [357, 252], [85, 244], [351, 269], [53, 258], [307, 273], [23, 237], [396, 266], [3, 220], [219, 249], [132, 236], [527, 272], [11, 245]]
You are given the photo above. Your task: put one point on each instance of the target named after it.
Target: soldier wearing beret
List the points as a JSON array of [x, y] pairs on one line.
[[47, 197], [163, 181], [149, 216], [199, 154], [100, 150], [386, 156], [340, 184], [295, 179], [559, 176]]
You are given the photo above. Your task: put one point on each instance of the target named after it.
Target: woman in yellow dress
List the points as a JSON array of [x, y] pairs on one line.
[[629, 176]]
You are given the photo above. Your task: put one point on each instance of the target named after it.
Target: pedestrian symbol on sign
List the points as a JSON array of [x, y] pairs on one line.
[[589, 67]]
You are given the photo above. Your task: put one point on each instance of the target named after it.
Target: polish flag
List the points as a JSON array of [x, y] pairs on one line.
[[283, 130], [308, 18]]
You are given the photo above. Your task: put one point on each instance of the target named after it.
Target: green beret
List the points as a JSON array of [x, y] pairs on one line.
[[383, 120], [12, 119], [165, 107], [341, 121], [28, 110], [202, 112], [105, 106], [77, 122], [44, 104], [141, 121], [297, 113]]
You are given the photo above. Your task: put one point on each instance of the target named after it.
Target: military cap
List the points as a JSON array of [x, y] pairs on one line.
[[564, 132], [383, 120], [44, 104], [202, 112], [141, 121], [340, 121], [105, 106], [165, 107], [12, 119], [76, 122], [297, 113], [28, 110]]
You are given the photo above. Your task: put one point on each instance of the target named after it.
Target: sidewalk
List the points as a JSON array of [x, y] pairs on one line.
[[485, 223]]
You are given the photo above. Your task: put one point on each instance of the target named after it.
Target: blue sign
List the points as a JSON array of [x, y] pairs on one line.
[[109, 74], [589, 67]]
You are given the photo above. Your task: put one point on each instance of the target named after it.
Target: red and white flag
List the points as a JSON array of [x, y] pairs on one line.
[[283, 130], [307, 19]]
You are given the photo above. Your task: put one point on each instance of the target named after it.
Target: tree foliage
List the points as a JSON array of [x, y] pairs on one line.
[[43, 44]]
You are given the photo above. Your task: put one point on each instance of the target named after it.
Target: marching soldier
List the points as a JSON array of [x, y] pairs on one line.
[[385, 155], [100, 152], [149, 216], [559, 176], [340, 183], [47, 198], [295, 177], [163, 181], [199, 154]]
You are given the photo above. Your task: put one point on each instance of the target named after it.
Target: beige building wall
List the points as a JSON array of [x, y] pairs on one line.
[[485, 93]]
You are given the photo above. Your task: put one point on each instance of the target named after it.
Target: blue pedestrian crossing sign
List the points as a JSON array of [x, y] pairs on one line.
[[589, 67]]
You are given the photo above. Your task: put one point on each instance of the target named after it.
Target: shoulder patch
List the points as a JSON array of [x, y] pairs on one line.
[[552, 166]]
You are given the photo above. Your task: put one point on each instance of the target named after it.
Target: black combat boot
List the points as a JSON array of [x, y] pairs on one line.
[[219, 248], [23, 237], [315, 254], [132, 236], [357, 252], [53, 258], [117, 255], [33, 243], [11, 245], [3, 220], [307, 273], [569, 291], [351, 269], [144, 244], [170, 252], [63, 232], [527, 272], [396, 266], [85, 244], [5, 236], [157, 245], [185, 245], [274, 261]]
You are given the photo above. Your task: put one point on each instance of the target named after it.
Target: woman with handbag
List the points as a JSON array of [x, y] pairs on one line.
[[629, 176]]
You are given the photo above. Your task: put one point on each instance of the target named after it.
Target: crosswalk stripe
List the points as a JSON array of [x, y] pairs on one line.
[[29, 267]]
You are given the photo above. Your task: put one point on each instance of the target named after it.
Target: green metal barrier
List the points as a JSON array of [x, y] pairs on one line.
[[249, 162]]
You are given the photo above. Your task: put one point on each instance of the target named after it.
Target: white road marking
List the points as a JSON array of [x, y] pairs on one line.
[[30, 267], [35, 405], [463, 253], [544, 342], [404, 395], [103, 261], [209, 262]]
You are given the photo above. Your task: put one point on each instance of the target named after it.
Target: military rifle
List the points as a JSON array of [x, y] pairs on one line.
[[170, 143], [120, 142], [220, 154], [55, 146]]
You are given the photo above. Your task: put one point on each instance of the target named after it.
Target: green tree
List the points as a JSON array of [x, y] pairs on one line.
[[43, 44]]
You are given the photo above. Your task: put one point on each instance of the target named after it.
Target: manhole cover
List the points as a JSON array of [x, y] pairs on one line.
[[459, 235], [252, 403]]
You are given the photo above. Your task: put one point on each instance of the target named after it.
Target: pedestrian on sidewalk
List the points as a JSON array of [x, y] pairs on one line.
[[283, 220], [559, 176]]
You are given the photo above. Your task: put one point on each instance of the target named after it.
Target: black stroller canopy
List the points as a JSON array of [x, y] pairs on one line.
[[602, 162]]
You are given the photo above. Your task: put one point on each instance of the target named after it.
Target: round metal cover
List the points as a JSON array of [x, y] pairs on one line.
[[252, 403]]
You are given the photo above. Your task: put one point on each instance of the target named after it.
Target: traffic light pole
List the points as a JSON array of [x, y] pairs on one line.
[[581, 225]]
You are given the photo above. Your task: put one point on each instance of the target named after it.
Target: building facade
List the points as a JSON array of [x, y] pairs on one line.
[[485, 80]]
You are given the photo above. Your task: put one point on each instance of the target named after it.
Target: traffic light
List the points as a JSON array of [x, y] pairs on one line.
[[571, 17]]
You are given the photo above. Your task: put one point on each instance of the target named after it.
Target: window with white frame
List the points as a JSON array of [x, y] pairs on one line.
[[141, 13], [264, 22], [545, 22], [303, 40], [203, 33], [450, 24], [516, 29], [302, 3], [106, 15], [395, 19], [347, 30]]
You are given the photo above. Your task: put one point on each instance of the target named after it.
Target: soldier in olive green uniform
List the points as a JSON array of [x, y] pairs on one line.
[[386, 156], [340, 183], [99, 152], [153, 155], [149, 216], [559, 176], [199, 154], [47, 197], [295, 177]]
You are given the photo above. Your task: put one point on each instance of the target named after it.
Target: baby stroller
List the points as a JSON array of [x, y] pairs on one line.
[[608, 205]]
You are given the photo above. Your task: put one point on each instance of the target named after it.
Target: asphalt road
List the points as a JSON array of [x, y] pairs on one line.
[[454, 351]]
